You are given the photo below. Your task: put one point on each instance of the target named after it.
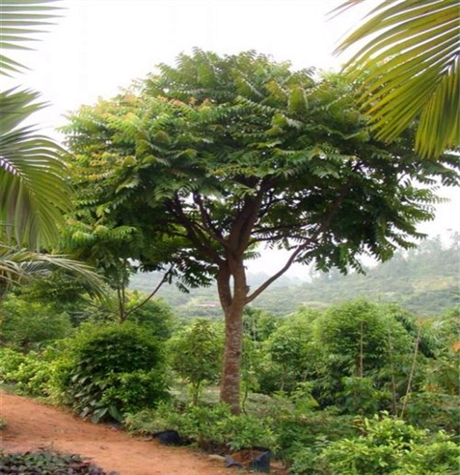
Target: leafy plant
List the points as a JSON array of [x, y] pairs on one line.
[[29, 373], [45, 462], [411, 51], [29, 325], [196, 354], [209, 427], [108, 371], [390, 446]]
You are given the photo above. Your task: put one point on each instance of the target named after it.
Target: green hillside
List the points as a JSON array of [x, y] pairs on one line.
[[425, 281]]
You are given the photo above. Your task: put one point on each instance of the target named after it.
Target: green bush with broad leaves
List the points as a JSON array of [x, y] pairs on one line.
[[110, 370], [386, 446], [29, 374], [209, 427]]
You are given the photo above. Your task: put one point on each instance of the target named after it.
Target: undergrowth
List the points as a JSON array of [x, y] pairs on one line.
[[45, 462]]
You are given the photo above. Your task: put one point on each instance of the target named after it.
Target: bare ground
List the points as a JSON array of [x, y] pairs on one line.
[[31, 426]]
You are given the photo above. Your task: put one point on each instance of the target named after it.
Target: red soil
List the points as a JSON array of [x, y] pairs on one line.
[[31, 426]]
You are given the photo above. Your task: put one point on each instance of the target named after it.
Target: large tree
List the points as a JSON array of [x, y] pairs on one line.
[[218, 155], [411, 52]]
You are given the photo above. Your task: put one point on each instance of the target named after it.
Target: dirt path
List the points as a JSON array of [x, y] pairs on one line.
[[30, 426]]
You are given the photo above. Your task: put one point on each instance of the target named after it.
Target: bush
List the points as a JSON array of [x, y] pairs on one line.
[[387, 446], [434, 411], [109, 371], [29, 373], [10, 360], [29, 326], [45, 462], [196, 354], [211, 427]]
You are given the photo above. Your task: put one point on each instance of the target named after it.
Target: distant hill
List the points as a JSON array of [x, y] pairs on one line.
[[425, 281]]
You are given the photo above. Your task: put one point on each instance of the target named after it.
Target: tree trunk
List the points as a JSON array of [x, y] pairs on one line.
[[231, 378], [233, 305]]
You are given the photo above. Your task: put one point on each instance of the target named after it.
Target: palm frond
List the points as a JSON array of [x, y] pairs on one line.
[[18, 266], [411, 65], [20, 21], [33, 191]]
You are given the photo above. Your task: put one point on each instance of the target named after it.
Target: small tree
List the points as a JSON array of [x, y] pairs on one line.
[[219, 155], [196, 355]]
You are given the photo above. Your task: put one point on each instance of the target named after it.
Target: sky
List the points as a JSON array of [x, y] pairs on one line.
[[98, 47]]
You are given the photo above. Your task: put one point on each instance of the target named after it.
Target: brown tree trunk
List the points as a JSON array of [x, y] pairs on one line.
[[230, 384], [233, 304]]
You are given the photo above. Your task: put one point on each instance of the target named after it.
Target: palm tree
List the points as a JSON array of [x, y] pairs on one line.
[[411, 65], [33, 192]]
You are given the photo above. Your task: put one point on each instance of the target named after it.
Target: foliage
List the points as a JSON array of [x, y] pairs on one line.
[[196, 354], [210, 427], [107, 371], [356, 340], [34, 192], [34, 189], [156, 316], [297, 427], [290, 350], [28, 326], [259, 324], [62, 292], [412, 53], [10, 360], [390, 446], [30, 374], [208, 159], [18, 266], [432, 409], [45, 462]]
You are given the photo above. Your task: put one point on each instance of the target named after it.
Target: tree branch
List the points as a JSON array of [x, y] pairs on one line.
[[155, 290], [207, 222], [193, 230], [324, 225]]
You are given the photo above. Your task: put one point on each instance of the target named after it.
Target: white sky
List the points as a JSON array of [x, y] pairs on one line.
[[99, 46]]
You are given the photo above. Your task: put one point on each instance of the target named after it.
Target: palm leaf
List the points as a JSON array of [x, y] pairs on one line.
[[18, 266], [20, 21], [411, 60], [33, 192]]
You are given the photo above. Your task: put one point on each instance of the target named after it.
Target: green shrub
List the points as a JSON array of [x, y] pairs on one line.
[[29, 373], [196, 354], [107, 371], [10, 360], [434, 411], [32, 376], [295, 433], [388, 447], [207, 426], [45, 462], [31, 325], [149, 421]]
